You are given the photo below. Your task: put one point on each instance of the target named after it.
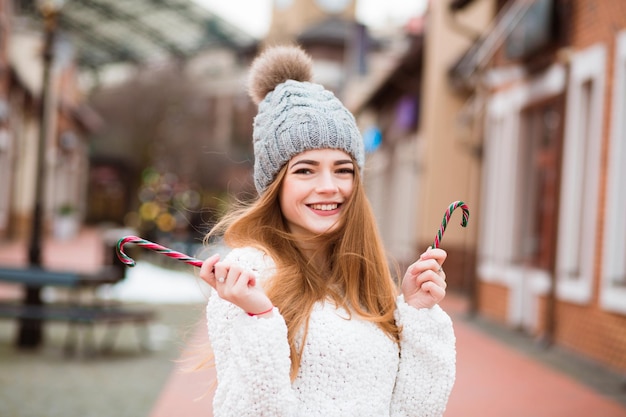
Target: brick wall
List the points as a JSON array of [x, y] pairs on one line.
[[593, 332], [493, 301], [588, 329]]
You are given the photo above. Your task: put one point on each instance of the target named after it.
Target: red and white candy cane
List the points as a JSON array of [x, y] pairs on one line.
[[127, 260], [446, 219]]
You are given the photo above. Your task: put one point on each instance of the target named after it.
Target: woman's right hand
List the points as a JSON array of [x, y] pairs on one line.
[[236, 285]]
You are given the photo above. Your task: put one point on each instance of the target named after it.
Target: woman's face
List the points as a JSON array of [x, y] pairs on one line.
[[317, 183]]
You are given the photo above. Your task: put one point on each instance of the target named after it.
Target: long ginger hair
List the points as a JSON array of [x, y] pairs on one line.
[[356, 275]]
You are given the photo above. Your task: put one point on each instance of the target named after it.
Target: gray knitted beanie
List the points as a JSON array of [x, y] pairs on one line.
[[295, 115]]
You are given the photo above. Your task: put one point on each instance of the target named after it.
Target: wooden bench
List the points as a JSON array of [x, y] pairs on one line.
[[32, 310], [85, 315]]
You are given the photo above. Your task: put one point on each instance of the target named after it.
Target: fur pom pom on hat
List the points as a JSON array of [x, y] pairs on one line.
[[295, 114]]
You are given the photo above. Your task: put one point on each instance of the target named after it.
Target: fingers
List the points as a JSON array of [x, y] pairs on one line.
[[222, 275], [207, 270], [424, 290], [429, 276], [232, 280], [238, 286], [436, 292], [429, 268], [425, 265], [235, 284], [432, 259], [439, 255], [425, 281]]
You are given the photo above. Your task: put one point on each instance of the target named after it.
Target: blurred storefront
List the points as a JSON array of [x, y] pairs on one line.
[[546, 81], [68, 121], [96, 44]]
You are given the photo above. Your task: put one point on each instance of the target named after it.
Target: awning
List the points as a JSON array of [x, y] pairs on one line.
[[465, 69], [139, 31]]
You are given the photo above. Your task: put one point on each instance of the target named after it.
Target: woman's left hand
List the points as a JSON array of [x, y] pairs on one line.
[[424, 283]]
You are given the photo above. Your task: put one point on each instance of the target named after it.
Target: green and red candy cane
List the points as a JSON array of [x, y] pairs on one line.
[[127, 260], [446, 219]]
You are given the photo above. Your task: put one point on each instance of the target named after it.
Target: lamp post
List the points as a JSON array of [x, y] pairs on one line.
[[30, 331]]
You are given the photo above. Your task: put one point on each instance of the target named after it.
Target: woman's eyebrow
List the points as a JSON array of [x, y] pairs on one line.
[[317, 163], [343, 161], [305, 162]]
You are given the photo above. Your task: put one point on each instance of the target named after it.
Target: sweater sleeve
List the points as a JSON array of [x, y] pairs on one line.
[[427, 367], [251, 359]]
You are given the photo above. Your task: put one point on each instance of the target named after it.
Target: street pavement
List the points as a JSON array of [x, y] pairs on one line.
[[500, 373]]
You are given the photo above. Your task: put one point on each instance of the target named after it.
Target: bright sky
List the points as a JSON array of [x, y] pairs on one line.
[[256, 18]]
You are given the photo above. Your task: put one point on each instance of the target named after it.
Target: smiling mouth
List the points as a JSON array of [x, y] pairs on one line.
[[324, 207]]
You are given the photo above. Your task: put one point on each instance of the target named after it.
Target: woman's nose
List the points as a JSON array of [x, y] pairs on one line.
[[326, 183]]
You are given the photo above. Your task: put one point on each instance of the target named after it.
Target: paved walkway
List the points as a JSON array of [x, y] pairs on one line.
[[497, 375], [495, 379]]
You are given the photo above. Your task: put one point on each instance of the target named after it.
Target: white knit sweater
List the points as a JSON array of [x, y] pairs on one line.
[[349, 367]]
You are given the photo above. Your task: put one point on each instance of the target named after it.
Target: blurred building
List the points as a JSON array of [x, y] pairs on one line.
[[177, 114], [292, 18], [90, 169], [65, 119], [546, 84], [329, 32], [417, 165]]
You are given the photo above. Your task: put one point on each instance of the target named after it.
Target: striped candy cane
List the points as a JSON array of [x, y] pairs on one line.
[[446, 219], [127, 260]]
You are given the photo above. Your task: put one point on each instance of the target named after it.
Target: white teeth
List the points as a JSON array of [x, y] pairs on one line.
[[324, 207]]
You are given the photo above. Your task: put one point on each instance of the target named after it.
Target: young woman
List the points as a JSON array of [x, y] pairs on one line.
[[305, 318]]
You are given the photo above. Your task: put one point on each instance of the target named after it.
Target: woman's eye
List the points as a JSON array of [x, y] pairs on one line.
[[346, 171], [302, 171]]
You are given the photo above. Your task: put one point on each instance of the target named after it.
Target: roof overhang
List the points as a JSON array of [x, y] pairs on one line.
[[139, 31]]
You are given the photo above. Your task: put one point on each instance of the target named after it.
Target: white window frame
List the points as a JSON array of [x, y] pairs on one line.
[[496, 263], [498, 180], [502, 136], [612, 294], [576, 247]]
